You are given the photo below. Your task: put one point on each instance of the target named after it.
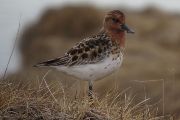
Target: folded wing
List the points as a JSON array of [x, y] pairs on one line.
[[91, 50]]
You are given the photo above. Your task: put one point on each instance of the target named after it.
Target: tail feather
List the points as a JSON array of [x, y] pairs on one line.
[[55, 62]]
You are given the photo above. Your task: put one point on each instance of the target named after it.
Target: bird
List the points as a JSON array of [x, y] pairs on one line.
[[96, 56]]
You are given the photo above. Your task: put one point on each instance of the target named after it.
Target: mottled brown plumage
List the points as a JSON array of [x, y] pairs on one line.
[[89, 51]]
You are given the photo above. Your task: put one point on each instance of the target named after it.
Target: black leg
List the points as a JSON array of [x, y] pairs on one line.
[[90, 89]]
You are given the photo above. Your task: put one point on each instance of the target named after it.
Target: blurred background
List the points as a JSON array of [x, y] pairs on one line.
[[50, 27]]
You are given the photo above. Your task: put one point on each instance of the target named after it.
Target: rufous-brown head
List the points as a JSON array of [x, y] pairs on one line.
[[114, 24]]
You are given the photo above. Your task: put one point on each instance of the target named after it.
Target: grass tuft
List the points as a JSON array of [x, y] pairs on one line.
[[47, 103]]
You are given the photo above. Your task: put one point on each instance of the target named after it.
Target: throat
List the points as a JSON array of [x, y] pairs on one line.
[[119, 37]]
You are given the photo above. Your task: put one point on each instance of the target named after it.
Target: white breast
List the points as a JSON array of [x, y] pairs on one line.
[[93, 71]]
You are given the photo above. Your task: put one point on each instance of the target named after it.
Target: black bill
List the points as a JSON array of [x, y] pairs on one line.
[[127, 29]]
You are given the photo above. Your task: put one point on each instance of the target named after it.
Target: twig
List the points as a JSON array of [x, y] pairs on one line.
[[17, 34], [147, 81], [163, 96], [48, 86]]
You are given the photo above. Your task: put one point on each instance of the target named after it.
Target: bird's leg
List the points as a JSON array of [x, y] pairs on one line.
[[90, 89]]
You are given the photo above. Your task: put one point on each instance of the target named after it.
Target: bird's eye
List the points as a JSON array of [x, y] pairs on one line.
[[115, 20]]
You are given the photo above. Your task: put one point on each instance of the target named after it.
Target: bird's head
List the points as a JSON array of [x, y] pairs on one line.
[[114, 24]]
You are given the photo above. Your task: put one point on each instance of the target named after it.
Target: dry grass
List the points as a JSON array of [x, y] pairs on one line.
[[47, 103]]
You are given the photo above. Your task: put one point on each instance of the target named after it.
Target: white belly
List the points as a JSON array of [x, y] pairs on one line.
[[93, 71]]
